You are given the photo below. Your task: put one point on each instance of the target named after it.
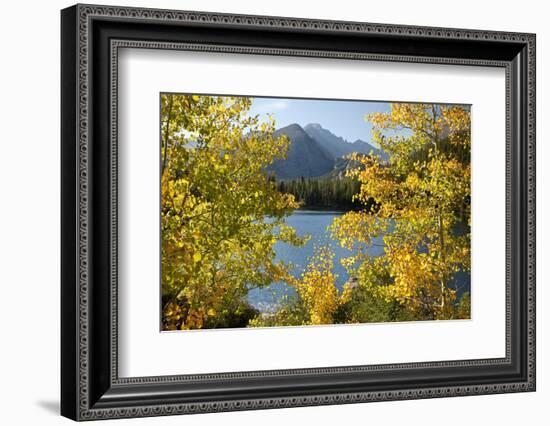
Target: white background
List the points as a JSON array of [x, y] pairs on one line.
[[29, 225], [140, 343]]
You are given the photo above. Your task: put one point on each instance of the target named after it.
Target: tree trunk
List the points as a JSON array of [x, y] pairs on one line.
[[442, 258], [166, 134]]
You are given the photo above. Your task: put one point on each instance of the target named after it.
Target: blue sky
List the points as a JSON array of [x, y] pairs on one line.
[[343, 118]]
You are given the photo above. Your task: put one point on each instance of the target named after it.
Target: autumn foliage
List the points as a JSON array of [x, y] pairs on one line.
[[221, 216], [216, 240], [423, 209]]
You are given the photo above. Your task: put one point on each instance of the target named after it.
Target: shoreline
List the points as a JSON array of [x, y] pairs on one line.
[[323, 209]]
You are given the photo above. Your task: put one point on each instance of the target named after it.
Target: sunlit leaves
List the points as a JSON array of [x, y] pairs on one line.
[[317, 288], [423, 199], [215, 196], [221, 216], [317, 297]]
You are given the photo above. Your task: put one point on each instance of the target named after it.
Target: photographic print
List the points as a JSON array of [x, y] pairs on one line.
[[302, 212]]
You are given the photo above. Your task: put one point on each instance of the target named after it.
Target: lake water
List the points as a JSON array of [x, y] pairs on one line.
[[306, 222], [315, 223]]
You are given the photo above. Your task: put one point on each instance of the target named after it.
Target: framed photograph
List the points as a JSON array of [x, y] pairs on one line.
[[263, 212]]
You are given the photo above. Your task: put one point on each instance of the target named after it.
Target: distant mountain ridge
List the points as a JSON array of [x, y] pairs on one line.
[[315, 151], [338, 146], [305, 156]]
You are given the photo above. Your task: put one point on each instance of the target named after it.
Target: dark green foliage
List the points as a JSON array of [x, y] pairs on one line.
[[463, 307], [291, 312], [365, 306], [323, 193], [239, 317]]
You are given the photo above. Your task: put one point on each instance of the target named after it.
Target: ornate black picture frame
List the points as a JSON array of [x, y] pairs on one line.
[[91, 36]]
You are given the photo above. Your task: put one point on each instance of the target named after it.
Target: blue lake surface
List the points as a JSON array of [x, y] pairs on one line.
[[314, 224]]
